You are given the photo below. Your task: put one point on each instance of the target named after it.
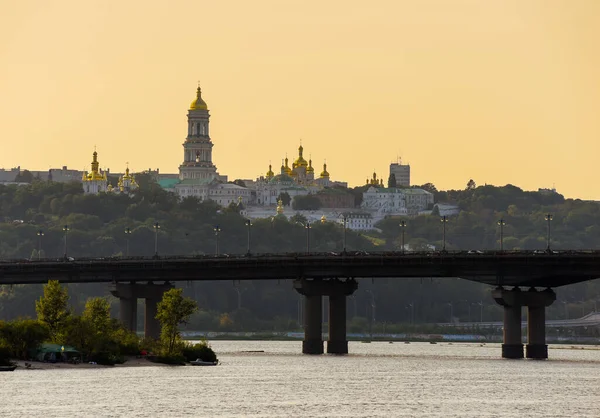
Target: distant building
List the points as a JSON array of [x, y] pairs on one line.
[[198, 176], [358, 221], [9, 175], [95, 181], [393, 201], [335, 198], [402, 174]]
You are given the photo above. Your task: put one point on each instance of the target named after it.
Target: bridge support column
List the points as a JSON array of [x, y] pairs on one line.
[[536, 302], [313, 290], [337, 343], [536, 323], [128, 313], [313, 333], [128, 294]]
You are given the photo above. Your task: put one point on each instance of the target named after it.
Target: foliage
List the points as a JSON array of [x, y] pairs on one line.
[[201, 350], [285, 198], [308, 202], [392, 180], [52, 308], [23, 335], [173, 310], [5, 354]]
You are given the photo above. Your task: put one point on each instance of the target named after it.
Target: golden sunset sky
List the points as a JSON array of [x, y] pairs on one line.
[[498, 91]]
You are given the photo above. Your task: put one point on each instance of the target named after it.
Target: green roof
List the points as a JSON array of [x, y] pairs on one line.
[[57, 348], [168, 183]]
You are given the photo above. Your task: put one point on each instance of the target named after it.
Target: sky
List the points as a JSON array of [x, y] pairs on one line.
[[503, 92]]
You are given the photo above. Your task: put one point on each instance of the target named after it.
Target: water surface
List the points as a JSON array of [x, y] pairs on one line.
[[377, 380]]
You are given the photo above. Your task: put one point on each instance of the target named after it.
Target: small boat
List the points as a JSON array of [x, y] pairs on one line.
[[8, 368], [199, 362]]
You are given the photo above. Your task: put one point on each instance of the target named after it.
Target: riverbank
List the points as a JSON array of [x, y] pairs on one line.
[[39, 365]]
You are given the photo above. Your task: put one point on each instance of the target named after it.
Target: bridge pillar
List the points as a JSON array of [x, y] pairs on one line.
[[536, 302], [128, 294], [536, 322], [313, 290]]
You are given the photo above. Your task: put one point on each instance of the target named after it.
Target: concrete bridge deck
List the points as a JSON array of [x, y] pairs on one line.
[[526, 268]]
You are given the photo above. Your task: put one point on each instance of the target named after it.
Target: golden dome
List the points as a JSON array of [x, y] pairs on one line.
[[300, 161], [323, 219], [280, 207], [96, 173], [270, 173], [198, 104], [324, 173], [287, 168], [310, 168]]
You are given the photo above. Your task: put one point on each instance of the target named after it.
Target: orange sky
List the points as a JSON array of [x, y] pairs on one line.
[[498, 91]]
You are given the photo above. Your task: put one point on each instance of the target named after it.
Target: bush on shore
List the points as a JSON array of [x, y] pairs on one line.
[[201, 350]]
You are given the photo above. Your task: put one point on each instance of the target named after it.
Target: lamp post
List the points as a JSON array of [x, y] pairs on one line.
[[217, 230], [249, 225], [451, 310], [66, 229], [501, 223], [372, 312], [40, 234], [548, 218], [307, 227], [402, 227], [444, 221], [156, 228], [412, 312], [127, 233], [480, 310], [345, 223]]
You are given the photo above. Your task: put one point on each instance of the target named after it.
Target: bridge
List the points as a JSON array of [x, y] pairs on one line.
[[334, 275]]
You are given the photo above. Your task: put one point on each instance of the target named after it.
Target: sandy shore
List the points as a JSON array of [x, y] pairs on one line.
[[38, 365]]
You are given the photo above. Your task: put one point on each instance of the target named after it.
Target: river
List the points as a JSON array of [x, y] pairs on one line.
[[377, 380]]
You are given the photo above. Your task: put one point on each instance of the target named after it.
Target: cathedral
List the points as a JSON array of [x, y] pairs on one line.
[[299, 179], [96, 181], [198, 175]]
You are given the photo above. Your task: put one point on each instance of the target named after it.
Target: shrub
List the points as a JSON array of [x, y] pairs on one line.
[[200, 351]]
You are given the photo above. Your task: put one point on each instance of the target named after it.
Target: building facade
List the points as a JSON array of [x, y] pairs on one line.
[[402, 174], [393, 201], [95, 181], [198, 175]]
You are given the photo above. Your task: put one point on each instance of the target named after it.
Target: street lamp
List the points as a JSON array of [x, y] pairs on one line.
[[444, 221], [548, 218], [480, 310], [156, 228], [402, 227], [344, 223], [217, 230], [412, 312], [127, 233], [451, 310], [249, 225], [372, 312], [66, 229], [40, 234], [307, 226], [501, 223]]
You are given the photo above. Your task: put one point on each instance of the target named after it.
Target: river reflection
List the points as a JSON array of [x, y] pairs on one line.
[[377, 380]]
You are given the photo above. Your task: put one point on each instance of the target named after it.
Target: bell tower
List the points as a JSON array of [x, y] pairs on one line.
[[197, 148]]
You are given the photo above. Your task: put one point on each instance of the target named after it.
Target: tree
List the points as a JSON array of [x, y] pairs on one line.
[[52, 308], [97, 313], [430, 187], [285, 198], [392, 180], [22, 335], [24, 176], [239, 182], [471, 185], [298, 218], [308, 202], [173, 310]]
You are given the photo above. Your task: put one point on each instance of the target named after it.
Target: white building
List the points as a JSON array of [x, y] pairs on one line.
[[95, 181], [402, 174], [382, 201], [357, 221]]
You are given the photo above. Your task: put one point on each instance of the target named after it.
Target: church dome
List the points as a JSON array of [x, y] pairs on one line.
[[198, 104], [300, 161]]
